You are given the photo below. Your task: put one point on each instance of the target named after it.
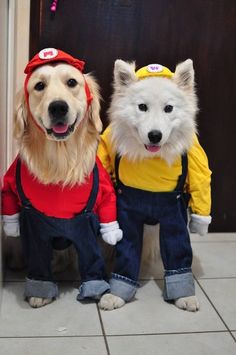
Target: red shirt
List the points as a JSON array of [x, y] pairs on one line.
[[55, 200]]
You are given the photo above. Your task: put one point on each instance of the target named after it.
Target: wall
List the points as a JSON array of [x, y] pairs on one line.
[[14, 47], [18, 58], [3, 99]]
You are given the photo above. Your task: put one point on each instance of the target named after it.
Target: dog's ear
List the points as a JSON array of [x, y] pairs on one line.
[[184, 75], [124, 73], [20, 118], [94, 107]]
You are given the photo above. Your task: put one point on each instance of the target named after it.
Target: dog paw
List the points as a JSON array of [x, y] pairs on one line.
[[108, 302], [37, 302], [190, 304]]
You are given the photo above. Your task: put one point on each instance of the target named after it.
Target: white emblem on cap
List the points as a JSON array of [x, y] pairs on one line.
[[48, 53], [154, 68]]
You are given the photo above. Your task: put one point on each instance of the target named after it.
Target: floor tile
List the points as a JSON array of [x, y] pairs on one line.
[[207, 251], [64, 317], [222, 293], [204, 344], [149, 314], [53, 346], [213, 237], [214, 260]]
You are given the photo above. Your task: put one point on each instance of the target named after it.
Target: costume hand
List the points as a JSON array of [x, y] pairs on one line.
[[199, 224], [111, 233], [11, 225]]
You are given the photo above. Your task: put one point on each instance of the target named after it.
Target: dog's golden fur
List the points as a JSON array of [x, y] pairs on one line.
[[66, 161]]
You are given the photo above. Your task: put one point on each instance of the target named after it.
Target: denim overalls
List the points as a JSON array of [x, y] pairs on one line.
[[136, 207], [41, 233]]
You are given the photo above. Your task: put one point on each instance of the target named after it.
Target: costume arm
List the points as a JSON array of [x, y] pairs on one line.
[[106, 203], [199, 180], [199, 187], [10, 200], [106, 208], [10, 203]]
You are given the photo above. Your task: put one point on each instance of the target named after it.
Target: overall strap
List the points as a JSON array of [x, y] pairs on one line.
[[183, 176], [117, 163], [94, 191], [24, 200]]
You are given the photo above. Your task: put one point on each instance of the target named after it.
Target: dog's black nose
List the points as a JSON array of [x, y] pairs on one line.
[[155, 136], [58, 109]]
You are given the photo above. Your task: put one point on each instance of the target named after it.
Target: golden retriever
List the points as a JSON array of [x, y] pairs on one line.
[[57, 131], [64, 149]]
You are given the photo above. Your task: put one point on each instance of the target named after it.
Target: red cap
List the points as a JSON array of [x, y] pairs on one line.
[[49, 55]]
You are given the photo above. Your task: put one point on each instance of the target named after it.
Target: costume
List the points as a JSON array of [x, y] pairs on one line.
[[151, 191], [49, 212], [54, 215]]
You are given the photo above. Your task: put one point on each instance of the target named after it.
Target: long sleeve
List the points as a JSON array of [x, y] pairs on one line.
[[106, 205], [199, 180], [10, 200]]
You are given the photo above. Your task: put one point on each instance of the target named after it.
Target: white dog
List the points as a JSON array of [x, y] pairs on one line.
[[152, 151]]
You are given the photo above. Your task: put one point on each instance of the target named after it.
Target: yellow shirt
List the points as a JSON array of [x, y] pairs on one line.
[[154, 174]]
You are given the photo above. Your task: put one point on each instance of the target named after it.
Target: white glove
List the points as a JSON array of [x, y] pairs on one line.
[[11, 225], [111, 232], [199, 224]]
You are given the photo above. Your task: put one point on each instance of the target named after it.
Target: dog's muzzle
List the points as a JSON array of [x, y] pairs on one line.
[[154, 137], [60, 128]]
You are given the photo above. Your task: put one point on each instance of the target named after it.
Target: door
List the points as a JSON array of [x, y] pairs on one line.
[[165, 32]]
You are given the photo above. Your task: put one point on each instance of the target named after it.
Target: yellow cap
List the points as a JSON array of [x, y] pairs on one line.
[[153, 70]]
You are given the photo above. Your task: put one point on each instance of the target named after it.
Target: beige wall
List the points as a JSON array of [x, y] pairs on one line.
[[22, 39], [14, 44], [18, 58], [3, 101]]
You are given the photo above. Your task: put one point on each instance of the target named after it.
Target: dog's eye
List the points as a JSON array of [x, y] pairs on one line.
[[143, 107], [39, 86], [72, 83], [168, 108]]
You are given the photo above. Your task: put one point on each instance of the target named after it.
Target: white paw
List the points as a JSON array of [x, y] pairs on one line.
[[37, 302], [190, 304], [108, 302]]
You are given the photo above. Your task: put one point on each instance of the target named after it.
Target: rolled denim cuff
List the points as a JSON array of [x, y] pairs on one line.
[[123, 287], [39, 288], [179, 285], [93, 289]]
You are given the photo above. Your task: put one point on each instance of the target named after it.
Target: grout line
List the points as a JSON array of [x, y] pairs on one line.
[[115, 335], [173, 333], [103, 331], [50, 336], [212, 304]]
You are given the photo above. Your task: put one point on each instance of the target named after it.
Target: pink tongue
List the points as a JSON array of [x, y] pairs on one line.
[[152, 148], [60, 128]]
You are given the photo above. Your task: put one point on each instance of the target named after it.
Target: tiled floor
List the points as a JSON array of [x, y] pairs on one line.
[[147, 325]]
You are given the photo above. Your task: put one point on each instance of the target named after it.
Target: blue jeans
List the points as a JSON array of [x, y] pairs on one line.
[[41, 233], [136, 208]]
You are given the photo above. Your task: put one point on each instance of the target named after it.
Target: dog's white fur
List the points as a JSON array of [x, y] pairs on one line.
[[130, 127], [52, 160]]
